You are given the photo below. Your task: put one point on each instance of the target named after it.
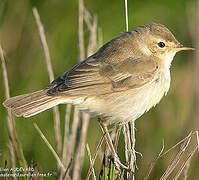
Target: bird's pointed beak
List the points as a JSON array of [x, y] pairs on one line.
[[181, 47]]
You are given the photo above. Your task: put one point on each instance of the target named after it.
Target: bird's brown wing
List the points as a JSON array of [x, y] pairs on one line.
[[92, 77]]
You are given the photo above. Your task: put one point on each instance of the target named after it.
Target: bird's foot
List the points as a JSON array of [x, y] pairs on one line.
[[119, 164]]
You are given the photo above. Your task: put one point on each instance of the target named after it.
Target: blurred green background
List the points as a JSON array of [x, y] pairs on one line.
[[171, 120]]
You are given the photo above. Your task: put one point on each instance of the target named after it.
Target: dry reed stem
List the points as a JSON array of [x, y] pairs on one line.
[[5, 75], [133, 152], [152, 165], [65, 175], [129, 136], [176, 159], [107, 137], [81, 30], [50, 147], [117, 136], [197, 139], [72, 138], [93, 37], [100, 37], [129, 129], [80, 149], [91, 162], [66, 143], [87, 18], [44, 44], [122, 175], [77, 168], [10, 121], [92, 45], [180, 142], [85, 117], [185, 142], [12, 155], [92, 26], [66, 134], [126, 142], [51, 76], [95, 156], [15, 145], [126, 15], [186, 162], [185, 174]]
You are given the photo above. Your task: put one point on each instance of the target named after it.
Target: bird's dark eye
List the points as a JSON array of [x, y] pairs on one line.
[[161, 44]]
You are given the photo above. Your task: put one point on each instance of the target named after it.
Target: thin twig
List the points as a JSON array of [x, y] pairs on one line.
[[91, 162], [12, 155], [129, 129], [80, 149], [186, 162], [133, 164], [125, 142], [66, 153], [117, 137], [129, 136], [73, 135], [66, 134], [100, 37], [152, 165], [57, 129], [186, 169], [50, 147], [51, 76], [92, 26], [67, 170], [44, 44], [92, 44], [5, 75], [122, 175], [197, 139], [176, 159], [81, 31], [76, 120], [189, 135], [87, 18], [10, 121], [95, 156], [77, 168], [126, 15], [85, 116], [15, 143]]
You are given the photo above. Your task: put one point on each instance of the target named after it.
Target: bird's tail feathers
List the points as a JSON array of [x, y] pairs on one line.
[[28, 105]]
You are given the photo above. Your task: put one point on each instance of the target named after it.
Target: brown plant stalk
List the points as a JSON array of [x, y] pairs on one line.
[[51, 77], [14, 144]]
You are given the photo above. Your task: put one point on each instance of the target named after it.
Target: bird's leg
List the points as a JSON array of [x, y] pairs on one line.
[[110, 145]]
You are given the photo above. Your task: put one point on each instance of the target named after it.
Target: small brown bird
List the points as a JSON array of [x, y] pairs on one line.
[[122, 80]]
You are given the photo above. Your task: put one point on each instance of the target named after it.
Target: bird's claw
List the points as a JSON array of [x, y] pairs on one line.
[[118, 163]]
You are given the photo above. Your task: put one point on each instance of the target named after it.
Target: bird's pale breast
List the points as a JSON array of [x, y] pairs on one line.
[[131, 104]]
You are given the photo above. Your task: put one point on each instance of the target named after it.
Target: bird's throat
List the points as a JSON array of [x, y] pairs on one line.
[[167, 59]]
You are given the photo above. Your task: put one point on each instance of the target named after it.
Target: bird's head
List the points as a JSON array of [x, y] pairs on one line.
[[158, 41]]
